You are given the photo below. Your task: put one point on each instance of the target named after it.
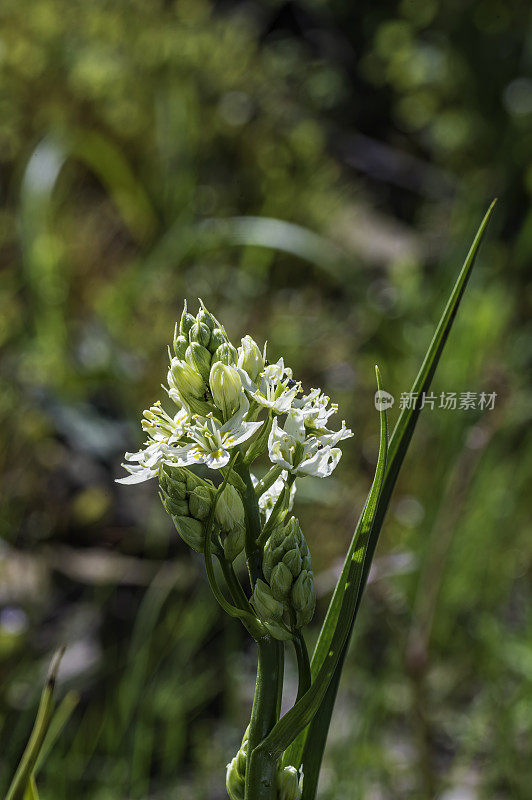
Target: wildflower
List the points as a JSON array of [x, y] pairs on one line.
[[163, 430], [276, 389], [300, 454], [212, 442]]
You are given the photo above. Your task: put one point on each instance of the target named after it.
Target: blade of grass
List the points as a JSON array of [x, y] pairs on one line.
[[308, 750], [22, 779]]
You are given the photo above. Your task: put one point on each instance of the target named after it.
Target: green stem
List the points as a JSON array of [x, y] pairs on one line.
[[261, 772], [234, 585], [268, 480], [253, 530], [303, 664]]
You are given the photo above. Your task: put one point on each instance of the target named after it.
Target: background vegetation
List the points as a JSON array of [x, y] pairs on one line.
[[315, 171]]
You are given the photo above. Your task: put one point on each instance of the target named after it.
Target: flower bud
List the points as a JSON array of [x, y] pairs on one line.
[[226, 388], [172, 481], [200, 333], [293, 561], [200, 359], [265, 604], [218, 338], [206, 318], [199, 502], [250, 358], [180, 346], [191, 531], [185, 380], [280, 581], [226, 353], [234, 543], [289, 784], [229, 512], [304, 598], [187, 321], [235, 782], [175, 508], [236, 772], [287, 568]]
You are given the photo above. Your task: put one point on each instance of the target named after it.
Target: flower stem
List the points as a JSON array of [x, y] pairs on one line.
[[261, 772], [268, 480], [249, 498], [303, 664]]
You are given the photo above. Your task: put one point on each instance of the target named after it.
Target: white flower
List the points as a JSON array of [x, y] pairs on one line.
[[163, 431], [268, 499], [213, 441], [313, 406], [292, 449], [275, 390]]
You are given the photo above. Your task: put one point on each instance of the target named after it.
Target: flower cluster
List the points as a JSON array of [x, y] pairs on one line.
[[218, 392], [229, 406]]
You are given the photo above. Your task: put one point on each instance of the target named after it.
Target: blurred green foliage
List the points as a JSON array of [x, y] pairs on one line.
[[314, 171]]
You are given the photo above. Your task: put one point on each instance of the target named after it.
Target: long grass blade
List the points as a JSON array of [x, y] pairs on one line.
[[310, 746], [23, 775]]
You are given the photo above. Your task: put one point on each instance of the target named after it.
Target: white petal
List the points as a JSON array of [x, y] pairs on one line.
[[217, 460]]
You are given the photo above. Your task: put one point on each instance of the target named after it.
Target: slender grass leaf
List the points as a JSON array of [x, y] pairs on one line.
[[31, 792], [308, 750], [23, 775]]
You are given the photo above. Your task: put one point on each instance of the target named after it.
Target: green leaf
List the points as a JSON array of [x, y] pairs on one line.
[[23, 776], [299, 716], [31, 792], [308, 750]]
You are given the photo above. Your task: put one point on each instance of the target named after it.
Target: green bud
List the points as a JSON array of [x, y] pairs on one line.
[[278, 631], [250, 358], [187, 321], [280, 581], [199, 502], [191, 531], [206, 318], [226, 388], [288, 784], [172, 481], [293, 561], [180, 346], [192, 480], [185, 380], [234, 543], [200, 359], [304, 598], [241, 756], [226, 353], [235, 781], [200, 333], [218, 338], [265, 604], [229, 512], [176, 508]]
